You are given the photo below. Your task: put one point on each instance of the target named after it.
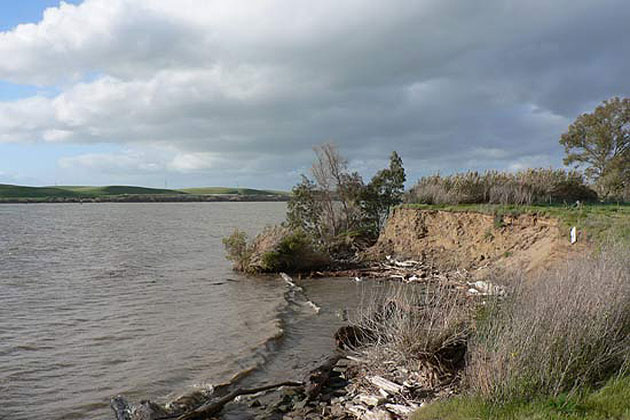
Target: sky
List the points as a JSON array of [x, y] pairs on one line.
[[186, 93]]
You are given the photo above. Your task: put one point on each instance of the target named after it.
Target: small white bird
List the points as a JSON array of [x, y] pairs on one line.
[[358, 279]]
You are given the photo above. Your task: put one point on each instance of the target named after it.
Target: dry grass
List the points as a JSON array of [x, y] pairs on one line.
[[426, 325], [567, 330], [532, 186]]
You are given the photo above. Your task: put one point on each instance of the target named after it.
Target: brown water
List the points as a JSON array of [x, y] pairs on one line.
[[137, 299]]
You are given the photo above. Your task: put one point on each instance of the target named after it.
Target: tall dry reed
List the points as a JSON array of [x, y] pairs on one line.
[[567, 329], [531, 186], [418, 323]]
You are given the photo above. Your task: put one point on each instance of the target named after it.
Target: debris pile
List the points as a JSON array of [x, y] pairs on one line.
[[353, 390]]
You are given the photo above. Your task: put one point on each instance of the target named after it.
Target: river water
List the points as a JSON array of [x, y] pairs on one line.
[[137, 299]]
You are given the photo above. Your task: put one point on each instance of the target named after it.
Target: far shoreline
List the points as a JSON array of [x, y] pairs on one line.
[[183, 198]]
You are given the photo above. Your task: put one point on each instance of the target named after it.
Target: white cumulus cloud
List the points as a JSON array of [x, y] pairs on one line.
[[241, 87]]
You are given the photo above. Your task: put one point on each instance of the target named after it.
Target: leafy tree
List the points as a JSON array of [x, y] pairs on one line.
[[384, 191], [304, 210], [600, 141]]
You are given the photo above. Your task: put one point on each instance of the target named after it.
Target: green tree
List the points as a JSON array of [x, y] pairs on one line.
[[384, 191], [304, 209], [600, 142]]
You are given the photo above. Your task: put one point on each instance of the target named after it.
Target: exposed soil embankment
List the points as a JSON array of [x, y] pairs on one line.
[[470, 240]]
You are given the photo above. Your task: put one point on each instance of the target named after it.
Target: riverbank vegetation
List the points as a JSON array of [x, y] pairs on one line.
[[331, 217], [553, 346], [529, 187]]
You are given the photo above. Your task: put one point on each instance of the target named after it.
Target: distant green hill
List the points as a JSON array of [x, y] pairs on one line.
[[117, 190], [68, 191], [225, 190], [16, 191]]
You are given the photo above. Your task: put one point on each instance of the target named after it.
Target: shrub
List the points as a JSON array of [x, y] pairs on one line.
[[294, 252], [275, 249], [237, 249], [532, 186], [567, 329]]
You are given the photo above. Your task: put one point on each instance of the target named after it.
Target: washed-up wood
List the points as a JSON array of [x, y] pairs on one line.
[[401, 410], [377, 414], [385, 384], [356, 410], [371, 400], [208, 410]]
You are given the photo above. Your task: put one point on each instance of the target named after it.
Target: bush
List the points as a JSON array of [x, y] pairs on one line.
[[294, 252], [532, 186], [237, 249], [275, 249], [568, 329]]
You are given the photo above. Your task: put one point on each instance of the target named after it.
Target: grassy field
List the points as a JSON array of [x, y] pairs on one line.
[[17, 192], [612, 401], [599, 222]]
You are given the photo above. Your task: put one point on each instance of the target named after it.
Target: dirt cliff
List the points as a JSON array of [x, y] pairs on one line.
[[471, 240]]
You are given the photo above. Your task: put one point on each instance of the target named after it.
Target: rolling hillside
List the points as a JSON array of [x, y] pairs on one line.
[[16, 191], [236, 191], [8, 191], [117, 190]]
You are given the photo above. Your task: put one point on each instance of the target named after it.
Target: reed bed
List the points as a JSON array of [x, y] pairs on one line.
[[528, 187]]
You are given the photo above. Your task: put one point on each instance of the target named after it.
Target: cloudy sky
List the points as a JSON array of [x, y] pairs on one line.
[[237, 92]]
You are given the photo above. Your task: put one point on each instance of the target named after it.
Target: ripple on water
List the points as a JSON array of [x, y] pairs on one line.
[[101, 299]]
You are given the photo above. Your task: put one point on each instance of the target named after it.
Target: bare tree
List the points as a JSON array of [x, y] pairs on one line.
[[339, 189]]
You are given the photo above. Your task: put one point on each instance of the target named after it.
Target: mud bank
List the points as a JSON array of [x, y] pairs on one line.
[[470, 240]]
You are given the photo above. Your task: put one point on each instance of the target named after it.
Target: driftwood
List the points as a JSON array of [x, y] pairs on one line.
[[382, 383], [210, 409]]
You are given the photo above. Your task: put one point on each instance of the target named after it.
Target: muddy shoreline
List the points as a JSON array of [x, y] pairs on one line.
[[352, 386]]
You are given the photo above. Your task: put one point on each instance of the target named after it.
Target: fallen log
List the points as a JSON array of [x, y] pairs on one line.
[[213, 408]]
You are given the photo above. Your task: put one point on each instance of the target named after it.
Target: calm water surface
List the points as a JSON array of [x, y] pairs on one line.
[[137, 299]]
